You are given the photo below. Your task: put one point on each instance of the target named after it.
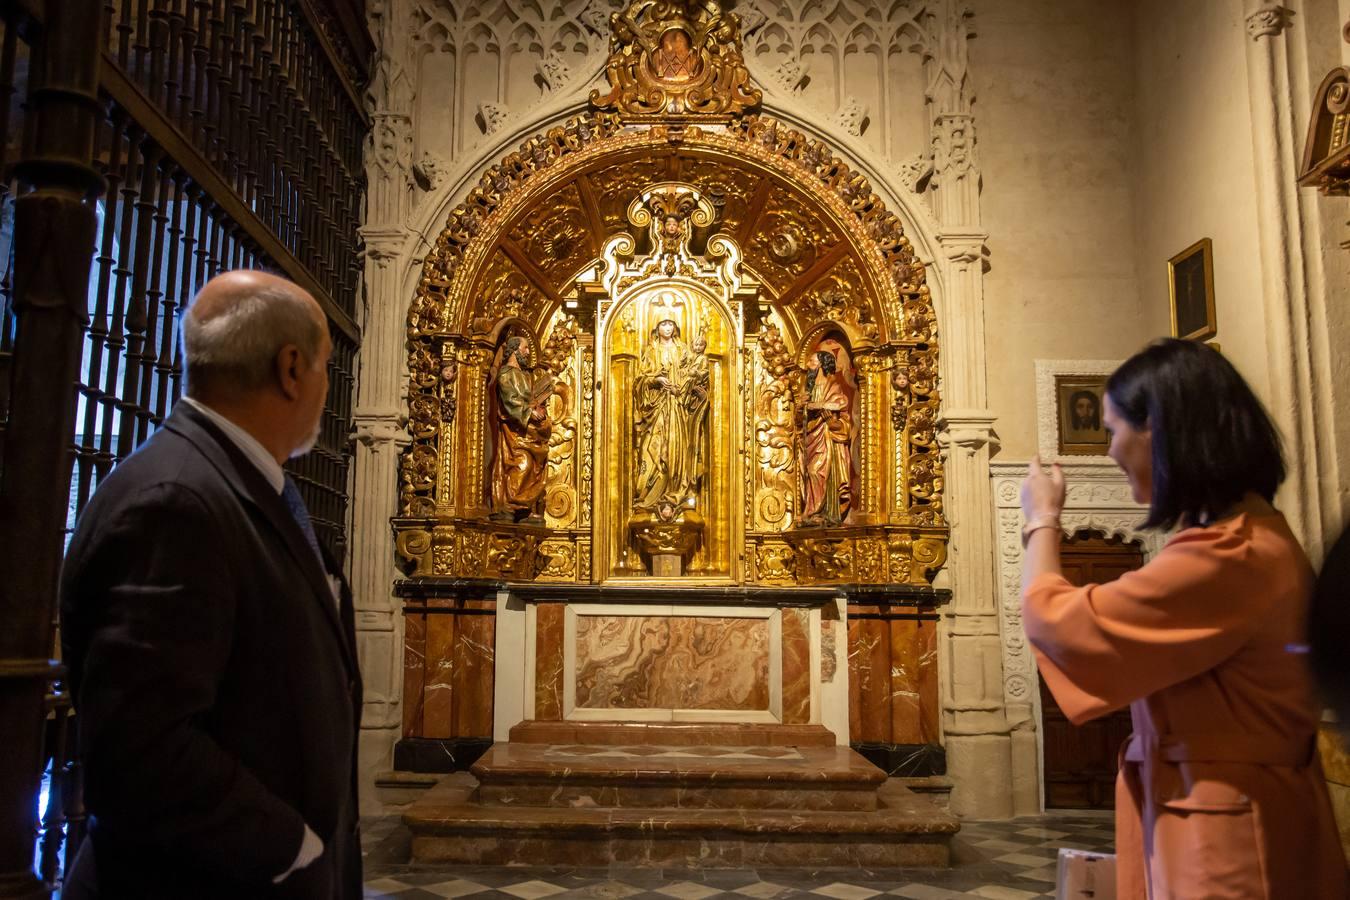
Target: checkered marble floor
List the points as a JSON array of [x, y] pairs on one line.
[[995, 860]]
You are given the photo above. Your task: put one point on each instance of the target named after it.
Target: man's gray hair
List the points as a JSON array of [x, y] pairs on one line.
[[236, 350]]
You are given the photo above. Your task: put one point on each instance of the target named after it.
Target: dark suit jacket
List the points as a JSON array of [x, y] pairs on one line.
[[216, 682]]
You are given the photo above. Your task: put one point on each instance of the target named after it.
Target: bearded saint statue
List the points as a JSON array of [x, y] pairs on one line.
[[671, 397], [520, 460], [826, 455]]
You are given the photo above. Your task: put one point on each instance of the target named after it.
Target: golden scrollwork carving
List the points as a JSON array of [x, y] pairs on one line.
[[824, 561], [413, 545], [676, 59], [924, 472], [775, 563], [556, 237], [870, 560], [835, 298], [558, 360], [464, 549], [559, 559], [774, 405], [789, 239]]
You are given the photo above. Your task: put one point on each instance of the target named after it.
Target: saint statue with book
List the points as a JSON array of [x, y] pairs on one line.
[[520, 457]]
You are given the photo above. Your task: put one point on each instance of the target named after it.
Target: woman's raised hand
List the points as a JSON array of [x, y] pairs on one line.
[[1042, 492]]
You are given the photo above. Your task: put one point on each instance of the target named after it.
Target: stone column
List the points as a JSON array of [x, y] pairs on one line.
[[380, 416], [975, 724], [1293, 284]]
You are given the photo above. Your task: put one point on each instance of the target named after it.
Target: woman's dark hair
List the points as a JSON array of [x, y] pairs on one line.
[[1212, 440]]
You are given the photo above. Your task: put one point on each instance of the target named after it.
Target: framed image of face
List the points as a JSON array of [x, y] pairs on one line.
[[1078, 402], [1191, 279]]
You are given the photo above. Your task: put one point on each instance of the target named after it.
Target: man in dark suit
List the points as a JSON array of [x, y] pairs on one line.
[[212, 657]]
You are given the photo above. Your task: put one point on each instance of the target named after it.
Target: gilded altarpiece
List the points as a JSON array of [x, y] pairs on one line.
[[729, 363]]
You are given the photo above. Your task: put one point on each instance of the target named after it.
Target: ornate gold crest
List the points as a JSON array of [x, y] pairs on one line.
[[676, 59]]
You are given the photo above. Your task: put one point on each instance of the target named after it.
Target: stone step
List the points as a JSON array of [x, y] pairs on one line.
[[533, 731], [905, 830], [678, 777]]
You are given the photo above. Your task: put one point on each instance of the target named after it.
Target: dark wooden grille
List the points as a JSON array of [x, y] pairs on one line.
[[161, 237], [246, 82], [229, 135], [14, 58]]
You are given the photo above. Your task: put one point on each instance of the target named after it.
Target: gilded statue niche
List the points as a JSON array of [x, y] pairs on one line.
[[669, 411]]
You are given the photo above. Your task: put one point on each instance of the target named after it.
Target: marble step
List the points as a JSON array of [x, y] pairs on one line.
[[738, 734], [678, 777], [448, 826]]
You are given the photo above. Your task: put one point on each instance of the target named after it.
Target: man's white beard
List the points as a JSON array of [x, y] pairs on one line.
[[309, 443]]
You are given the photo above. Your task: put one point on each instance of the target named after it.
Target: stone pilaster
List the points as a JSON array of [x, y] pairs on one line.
[[380, 417], [1292, 278], [975, 723]]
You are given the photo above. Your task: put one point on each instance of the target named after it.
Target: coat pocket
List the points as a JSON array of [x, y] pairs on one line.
[[1206, 796], [1205, 839]]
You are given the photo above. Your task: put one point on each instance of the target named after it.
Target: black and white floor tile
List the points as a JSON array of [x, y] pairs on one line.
[[995, 860]]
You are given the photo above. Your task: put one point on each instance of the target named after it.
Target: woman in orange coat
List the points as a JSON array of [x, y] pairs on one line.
[[1220, 792]]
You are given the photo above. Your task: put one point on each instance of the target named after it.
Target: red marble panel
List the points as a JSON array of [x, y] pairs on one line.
[[672, 662], [929, 699], [906, 656], [475, 646], [548, 662], [796, 666], [869, 661], [437, 706], [414, 673]]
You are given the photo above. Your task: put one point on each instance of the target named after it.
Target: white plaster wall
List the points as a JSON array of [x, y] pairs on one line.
[[1195, 170], [1055, 110]]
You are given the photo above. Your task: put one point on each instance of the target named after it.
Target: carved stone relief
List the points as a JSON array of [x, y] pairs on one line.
[[858, 65], [482, 63]]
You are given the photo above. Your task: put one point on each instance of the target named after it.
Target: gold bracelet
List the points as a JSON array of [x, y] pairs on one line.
[[1036, 525]]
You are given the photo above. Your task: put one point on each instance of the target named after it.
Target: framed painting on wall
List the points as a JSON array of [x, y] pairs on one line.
[[1190, 276], [1069, 404], [1078, 405]]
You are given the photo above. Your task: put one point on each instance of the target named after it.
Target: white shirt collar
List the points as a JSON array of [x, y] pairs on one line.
[[246, 442]]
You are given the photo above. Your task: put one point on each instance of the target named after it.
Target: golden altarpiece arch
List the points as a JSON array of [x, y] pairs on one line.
[[673, 349]]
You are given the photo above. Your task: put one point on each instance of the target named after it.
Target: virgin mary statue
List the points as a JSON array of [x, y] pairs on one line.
[[671, 400]]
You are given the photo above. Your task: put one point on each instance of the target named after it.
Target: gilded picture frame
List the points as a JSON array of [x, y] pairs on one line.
[[1190, 281]]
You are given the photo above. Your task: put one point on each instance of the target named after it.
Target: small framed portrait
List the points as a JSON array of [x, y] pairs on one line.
[[1078, 402], [1191, 278]]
